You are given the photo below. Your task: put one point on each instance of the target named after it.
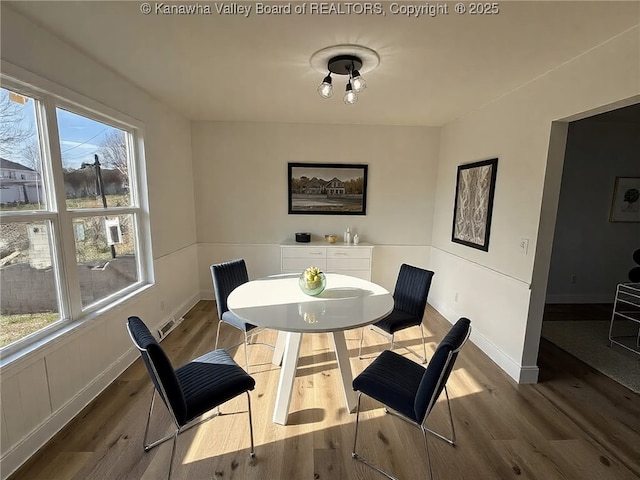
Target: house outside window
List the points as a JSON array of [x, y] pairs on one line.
[[72, 222]]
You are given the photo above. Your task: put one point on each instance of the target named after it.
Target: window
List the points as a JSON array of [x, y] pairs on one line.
[[71, 218]]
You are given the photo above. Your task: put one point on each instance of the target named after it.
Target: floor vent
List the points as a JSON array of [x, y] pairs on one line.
[[162, 331]]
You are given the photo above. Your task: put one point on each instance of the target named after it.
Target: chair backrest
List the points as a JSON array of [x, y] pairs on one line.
[[226, 277], [439, 368], [412, 289], [160, 369]]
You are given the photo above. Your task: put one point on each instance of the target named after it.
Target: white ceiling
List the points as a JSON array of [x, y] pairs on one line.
[[432, 69]]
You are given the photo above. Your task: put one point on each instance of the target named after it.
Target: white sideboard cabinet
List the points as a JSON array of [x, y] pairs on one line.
[[347, 259]]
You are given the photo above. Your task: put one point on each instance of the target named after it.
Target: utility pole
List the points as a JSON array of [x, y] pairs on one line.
[[100, 190]]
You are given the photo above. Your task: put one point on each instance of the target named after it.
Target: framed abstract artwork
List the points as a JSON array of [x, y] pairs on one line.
[[328, 188], [625, 205], [475, 187]]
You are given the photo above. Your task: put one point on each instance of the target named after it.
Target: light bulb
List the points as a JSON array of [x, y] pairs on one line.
[[326, 89], [359, 83], [350, 96]]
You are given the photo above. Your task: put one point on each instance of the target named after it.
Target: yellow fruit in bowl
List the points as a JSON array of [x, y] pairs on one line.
[[312, 281]]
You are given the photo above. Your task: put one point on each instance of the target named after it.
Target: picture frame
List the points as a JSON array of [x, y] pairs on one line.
[[327, 188], [625, 204], [475, 190]]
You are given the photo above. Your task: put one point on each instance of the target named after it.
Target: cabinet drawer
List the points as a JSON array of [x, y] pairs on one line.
[[299, 264], [349, 252], [304, 252], [338, 265]]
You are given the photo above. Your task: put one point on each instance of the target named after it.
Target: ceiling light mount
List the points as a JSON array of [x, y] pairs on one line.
[[344, 64], [349, 60]]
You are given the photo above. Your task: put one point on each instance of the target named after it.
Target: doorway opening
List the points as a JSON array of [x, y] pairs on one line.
[[592, 250]]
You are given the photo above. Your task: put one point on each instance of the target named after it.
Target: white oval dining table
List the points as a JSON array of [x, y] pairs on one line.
[[277, 302]]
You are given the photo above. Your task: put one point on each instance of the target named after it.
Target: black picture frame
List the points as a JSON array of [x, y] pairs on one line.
[[475, 190], [327, 189], [625, 204]]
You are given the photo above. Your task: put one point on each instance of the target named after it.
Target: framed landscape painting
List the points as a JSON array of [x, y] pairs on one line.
[[475, 189], [327, 188], [625, 206]]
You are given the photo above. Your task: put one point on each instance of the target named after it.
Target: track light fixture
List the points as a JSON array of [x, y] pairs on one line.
[[347, 60], [344, 65]]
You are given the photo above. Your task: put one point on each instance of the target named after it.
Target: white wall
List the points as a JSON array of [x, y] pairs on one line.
[[587, 246], [43, 390], [240, 172], [516, 128]]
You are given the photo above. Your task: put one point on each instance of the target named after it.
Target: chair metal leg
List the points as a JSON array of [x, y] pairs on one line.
[[149, 446], [248, 340], [422, 359], [453, 430], [184, 428], [173, 435], [424, 348], [146, 428], [216, 347], [392, 345], [173, 452], [356, 456], [218, 334], [424, 431], [355, 437], [451, 441], [426, 446], [252, 452]]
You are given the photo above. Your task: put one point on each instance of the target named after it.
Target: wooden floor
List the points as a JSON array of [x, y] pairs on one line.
[[574, 424]]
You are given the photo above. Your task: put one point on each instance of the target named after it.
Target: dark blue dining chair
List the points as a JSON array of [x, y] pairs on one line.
[[191, 390], [227, 276], [409, 390], [409, 303]]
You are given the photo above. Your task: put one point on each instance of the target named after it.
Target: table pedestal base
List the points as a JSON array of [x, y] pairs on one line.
[[287, 352]]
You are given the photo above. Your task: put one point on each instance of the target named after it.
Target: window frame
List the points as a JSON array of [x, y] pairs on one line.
[[49, 96]]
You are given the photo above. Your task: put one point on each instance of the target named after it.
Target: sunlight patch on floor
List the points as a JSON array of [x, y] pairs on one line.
[[464, 384], [211, 438]]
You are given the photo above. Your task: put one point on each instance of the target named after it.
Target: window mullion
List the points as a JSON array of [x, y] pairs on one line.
[[18, 216], [92, 212], [63, 231], [140, 199]]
